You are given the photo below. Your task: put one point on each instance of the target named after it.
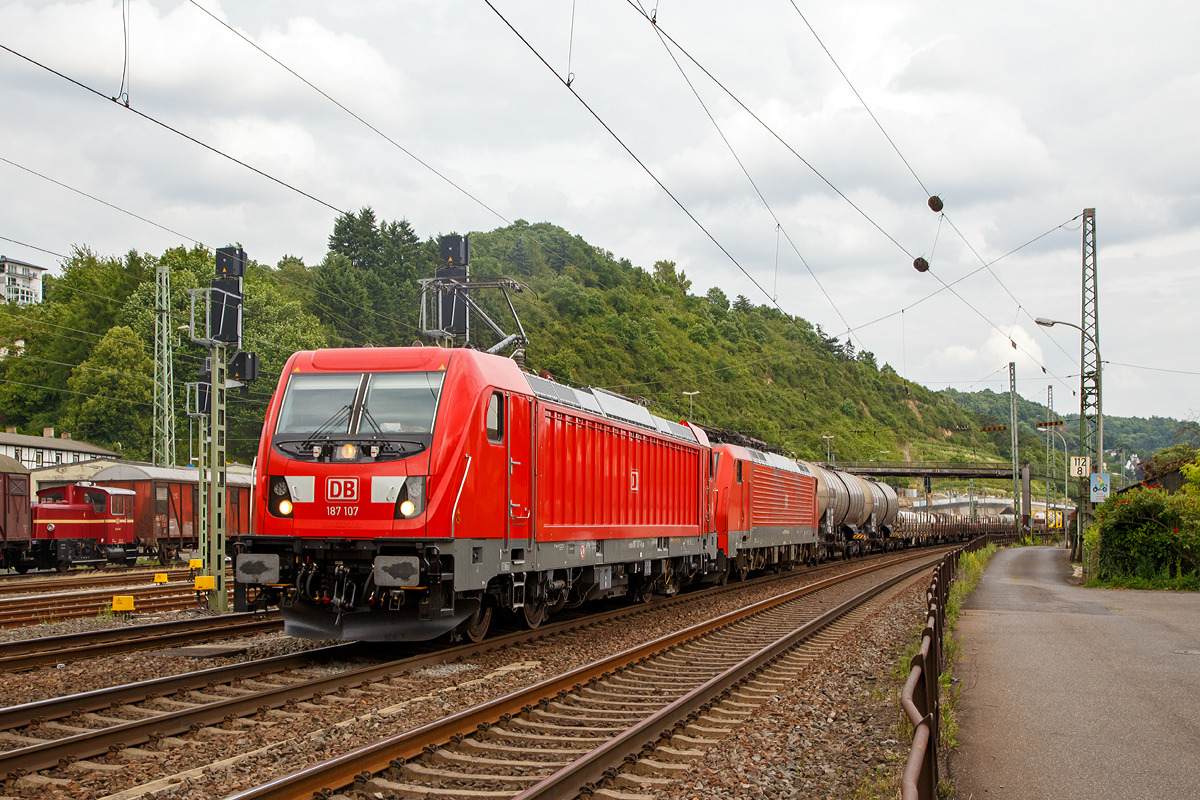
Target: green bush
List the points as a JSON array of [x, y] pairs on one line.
[[1148, 533]]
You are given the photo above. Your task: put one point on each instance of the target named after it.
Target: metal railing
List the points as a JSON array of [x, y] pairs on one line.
[[920, 697]]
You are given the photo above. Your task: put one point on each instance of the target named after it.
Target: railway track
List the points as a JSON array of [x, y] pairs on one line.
[[97, 723], [24, 610], [650, 708], [27, 654], [60, 583]]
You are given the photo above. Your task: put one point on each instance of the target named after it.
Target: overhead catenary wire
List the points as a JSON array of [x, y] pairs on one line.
[[633, 4], [634, 156], [959, 280], [34, 247], [98, 200], [324, 94], [201, 244], [924, 188], [126, 77], [778, 224], [174, 130], [860, 98]]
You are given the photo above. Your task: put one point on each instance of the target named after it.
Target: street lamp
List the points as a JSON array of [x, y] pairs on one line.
[[690, 395], [1050, 323], [828, 451], [1085, 506]]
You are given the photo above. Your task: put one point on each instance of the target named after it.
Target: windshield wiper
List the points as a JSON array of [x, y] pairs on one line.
[[327, 425], [367, 416]]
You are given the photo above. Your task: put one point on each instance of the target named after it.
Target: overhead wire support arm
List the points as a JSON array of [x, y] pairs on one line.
[[458, 290]]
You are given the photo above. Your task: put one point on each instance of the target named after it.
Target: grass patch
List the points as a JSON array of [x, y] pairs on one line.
[[1178, 583], [967, 576], [883, 782]]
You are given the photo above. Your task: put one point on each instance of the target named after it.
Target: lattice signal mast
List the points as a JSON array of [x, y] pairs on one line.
[[1091, 416], [164, 372], [1012, 398]]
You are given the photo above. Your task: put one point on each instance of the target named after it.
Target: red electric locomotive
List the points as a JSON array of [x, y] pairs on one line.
[[766, 510], [406, 493], [81, 524]]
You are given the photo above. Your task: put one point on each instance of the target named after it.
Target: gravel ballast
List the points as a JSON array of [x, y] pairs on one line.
[[827, 735]]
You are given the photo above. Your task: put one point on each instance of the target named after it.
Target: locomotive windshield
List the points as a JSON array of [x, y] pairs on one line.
[[397, 409], [318, 402], [401, 402]]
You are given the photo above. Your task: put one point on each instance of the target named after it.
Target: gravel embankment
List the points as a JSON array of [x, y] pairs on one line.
[[827, 735]]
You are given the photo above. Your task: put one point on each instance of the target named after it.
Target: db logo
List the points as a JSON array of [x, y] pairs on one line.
[[344, 489]]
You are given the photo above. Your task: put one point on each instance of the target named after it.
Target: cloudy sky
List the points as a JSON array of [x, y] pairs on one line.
[[1017, 115]]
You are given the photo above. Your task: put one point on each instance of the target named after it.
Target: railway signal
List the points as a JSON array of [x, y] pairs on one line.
[[222, 324]]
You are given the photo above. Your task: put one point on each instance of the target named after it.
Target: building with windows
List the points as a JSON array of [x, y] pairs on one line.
[[22, 281], [36, 452]]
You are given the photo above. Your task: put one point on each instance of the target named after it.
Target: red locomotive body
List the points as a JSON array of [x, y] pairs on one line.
[[766, 509], [81, 524], [404, 493]]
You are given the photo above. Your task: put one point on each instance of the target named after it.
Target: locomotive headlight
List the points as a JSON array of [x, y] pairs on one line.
[[411, 501], [50, 527], [280, 497], [347, 452]]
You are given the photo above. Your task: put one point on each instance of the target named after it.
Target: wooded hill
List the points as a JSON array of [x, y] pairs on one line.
[[1126, 435], [593, 319]]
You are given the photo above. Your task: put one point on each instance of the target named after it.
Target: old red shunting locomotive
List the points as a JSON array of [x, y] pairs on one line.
[[81, 524]]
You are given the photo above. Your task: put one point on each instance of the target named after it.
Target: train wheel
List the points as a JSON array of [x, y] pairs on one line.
[[477, 626], [533, 614], [64, 566], [21, 569]]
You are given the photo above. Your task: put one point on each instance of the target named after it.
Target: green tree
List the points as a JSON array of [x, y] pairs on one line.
[[291, 275], [112, 396], [665, 272], [339, 299], [519, 255]]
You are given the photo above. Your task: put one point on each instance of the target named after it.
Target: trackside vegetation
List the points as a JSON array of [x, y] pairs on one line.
[[885, 782], [1147, 538]]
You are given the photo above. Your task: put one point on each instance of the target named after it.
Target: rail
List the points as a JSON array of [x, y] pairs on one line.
[[920, 696]]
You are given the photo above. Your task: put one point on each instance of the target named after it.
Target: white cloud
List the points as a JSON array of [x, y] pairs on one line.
[[1019, 116]]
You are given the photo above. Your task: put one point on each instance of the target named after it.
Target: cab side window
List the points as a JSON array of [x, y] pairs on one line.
[[495, 417], [96, 499], [739, 472]]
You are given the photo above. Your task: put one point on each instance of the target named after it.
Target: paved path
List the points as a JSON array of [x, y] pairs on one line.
[[1076, 693]]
